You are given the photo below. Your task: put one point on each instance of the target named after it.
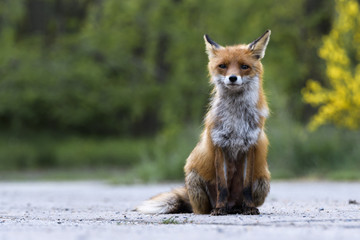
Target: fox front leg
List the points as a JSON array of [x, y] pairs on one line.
[[241, 200], [236, 198], [248, 204], [222, 191]]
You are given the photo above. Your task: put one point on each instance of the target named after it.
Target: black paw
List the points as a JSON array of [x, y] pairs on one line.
[[250, 211], [218, 211], [236, 210]]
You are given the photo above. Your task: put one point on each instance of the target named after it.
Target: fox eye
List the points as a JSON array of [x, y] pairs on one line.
[[223, 66], [244, 67]]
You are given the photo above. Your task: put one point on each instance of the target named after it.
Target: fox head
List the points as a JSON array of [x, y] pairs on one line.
[[236, 68]]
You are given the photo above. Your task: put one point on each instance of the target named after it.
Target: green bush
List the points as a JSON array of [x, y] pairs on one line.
[[17, 156], [77, 153], [70, 153], [296, 152], [167, 156]]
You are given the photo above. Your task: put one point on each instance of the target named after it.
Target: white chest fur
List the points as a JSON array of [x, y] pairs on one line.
[[237, 119]]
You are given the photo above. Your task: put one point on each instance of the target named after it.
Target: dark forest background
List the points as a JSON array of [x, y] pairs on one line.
[[121, 86]]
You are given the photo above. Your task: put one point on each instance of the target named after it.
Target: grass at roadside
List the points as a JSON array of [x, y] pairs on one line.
[[120, 176], [294, 153]]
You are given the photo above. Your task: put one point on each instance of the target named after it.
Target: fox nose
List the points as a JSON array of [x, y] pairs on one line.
[[232, 78]]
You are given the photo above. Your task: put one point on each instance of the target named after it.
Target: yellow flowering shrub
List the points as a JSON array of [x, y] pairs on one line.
[[339, 103]]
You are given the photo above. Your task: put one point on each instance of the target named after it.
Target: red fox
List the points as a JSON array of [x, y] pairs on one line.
[[227, 172]]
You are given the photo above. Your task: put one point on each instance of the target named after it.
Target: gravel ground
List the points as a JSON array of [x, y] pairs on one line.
[[95, 210]]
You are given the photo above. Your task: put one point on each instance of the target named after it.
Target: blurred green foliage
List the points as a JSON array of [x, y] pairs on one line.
[[86, 83]]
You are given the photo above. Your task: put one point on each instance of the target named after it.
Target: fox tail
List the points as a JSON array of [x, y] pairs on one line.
[[176, 201]]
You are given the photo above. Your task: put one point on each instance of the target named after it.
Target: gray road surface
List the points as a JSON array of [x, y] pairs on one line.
[[95, 210]]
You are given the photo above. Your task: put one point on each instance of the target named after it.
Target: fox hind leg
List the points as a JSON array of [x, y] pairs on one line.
[[198, 195], [261, 188]]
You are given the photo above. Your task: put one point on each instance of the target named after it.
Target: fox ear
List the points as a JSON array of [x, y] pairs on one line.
[[211, 46], [258, 46]]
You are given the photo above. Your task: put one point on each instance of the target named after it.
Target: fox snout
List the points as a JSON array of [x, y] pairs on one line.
[[233, 80]]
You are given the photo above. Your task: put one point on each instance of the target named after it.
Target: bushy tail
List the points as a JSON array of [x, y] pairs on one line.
[[176, 201]]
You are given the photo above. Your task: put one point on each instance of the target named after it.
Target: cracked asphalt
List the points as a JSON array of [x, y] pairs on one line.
[[96, 210]]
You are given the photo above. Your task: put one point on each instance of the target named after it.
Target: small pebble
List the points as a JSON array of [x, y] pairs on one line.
[[353, 202]]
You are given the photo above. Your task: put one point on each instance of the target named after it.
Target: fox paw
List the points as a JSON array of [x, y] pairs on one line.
[[218, 211], [250, 211], [244, 210], [236, 210]]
